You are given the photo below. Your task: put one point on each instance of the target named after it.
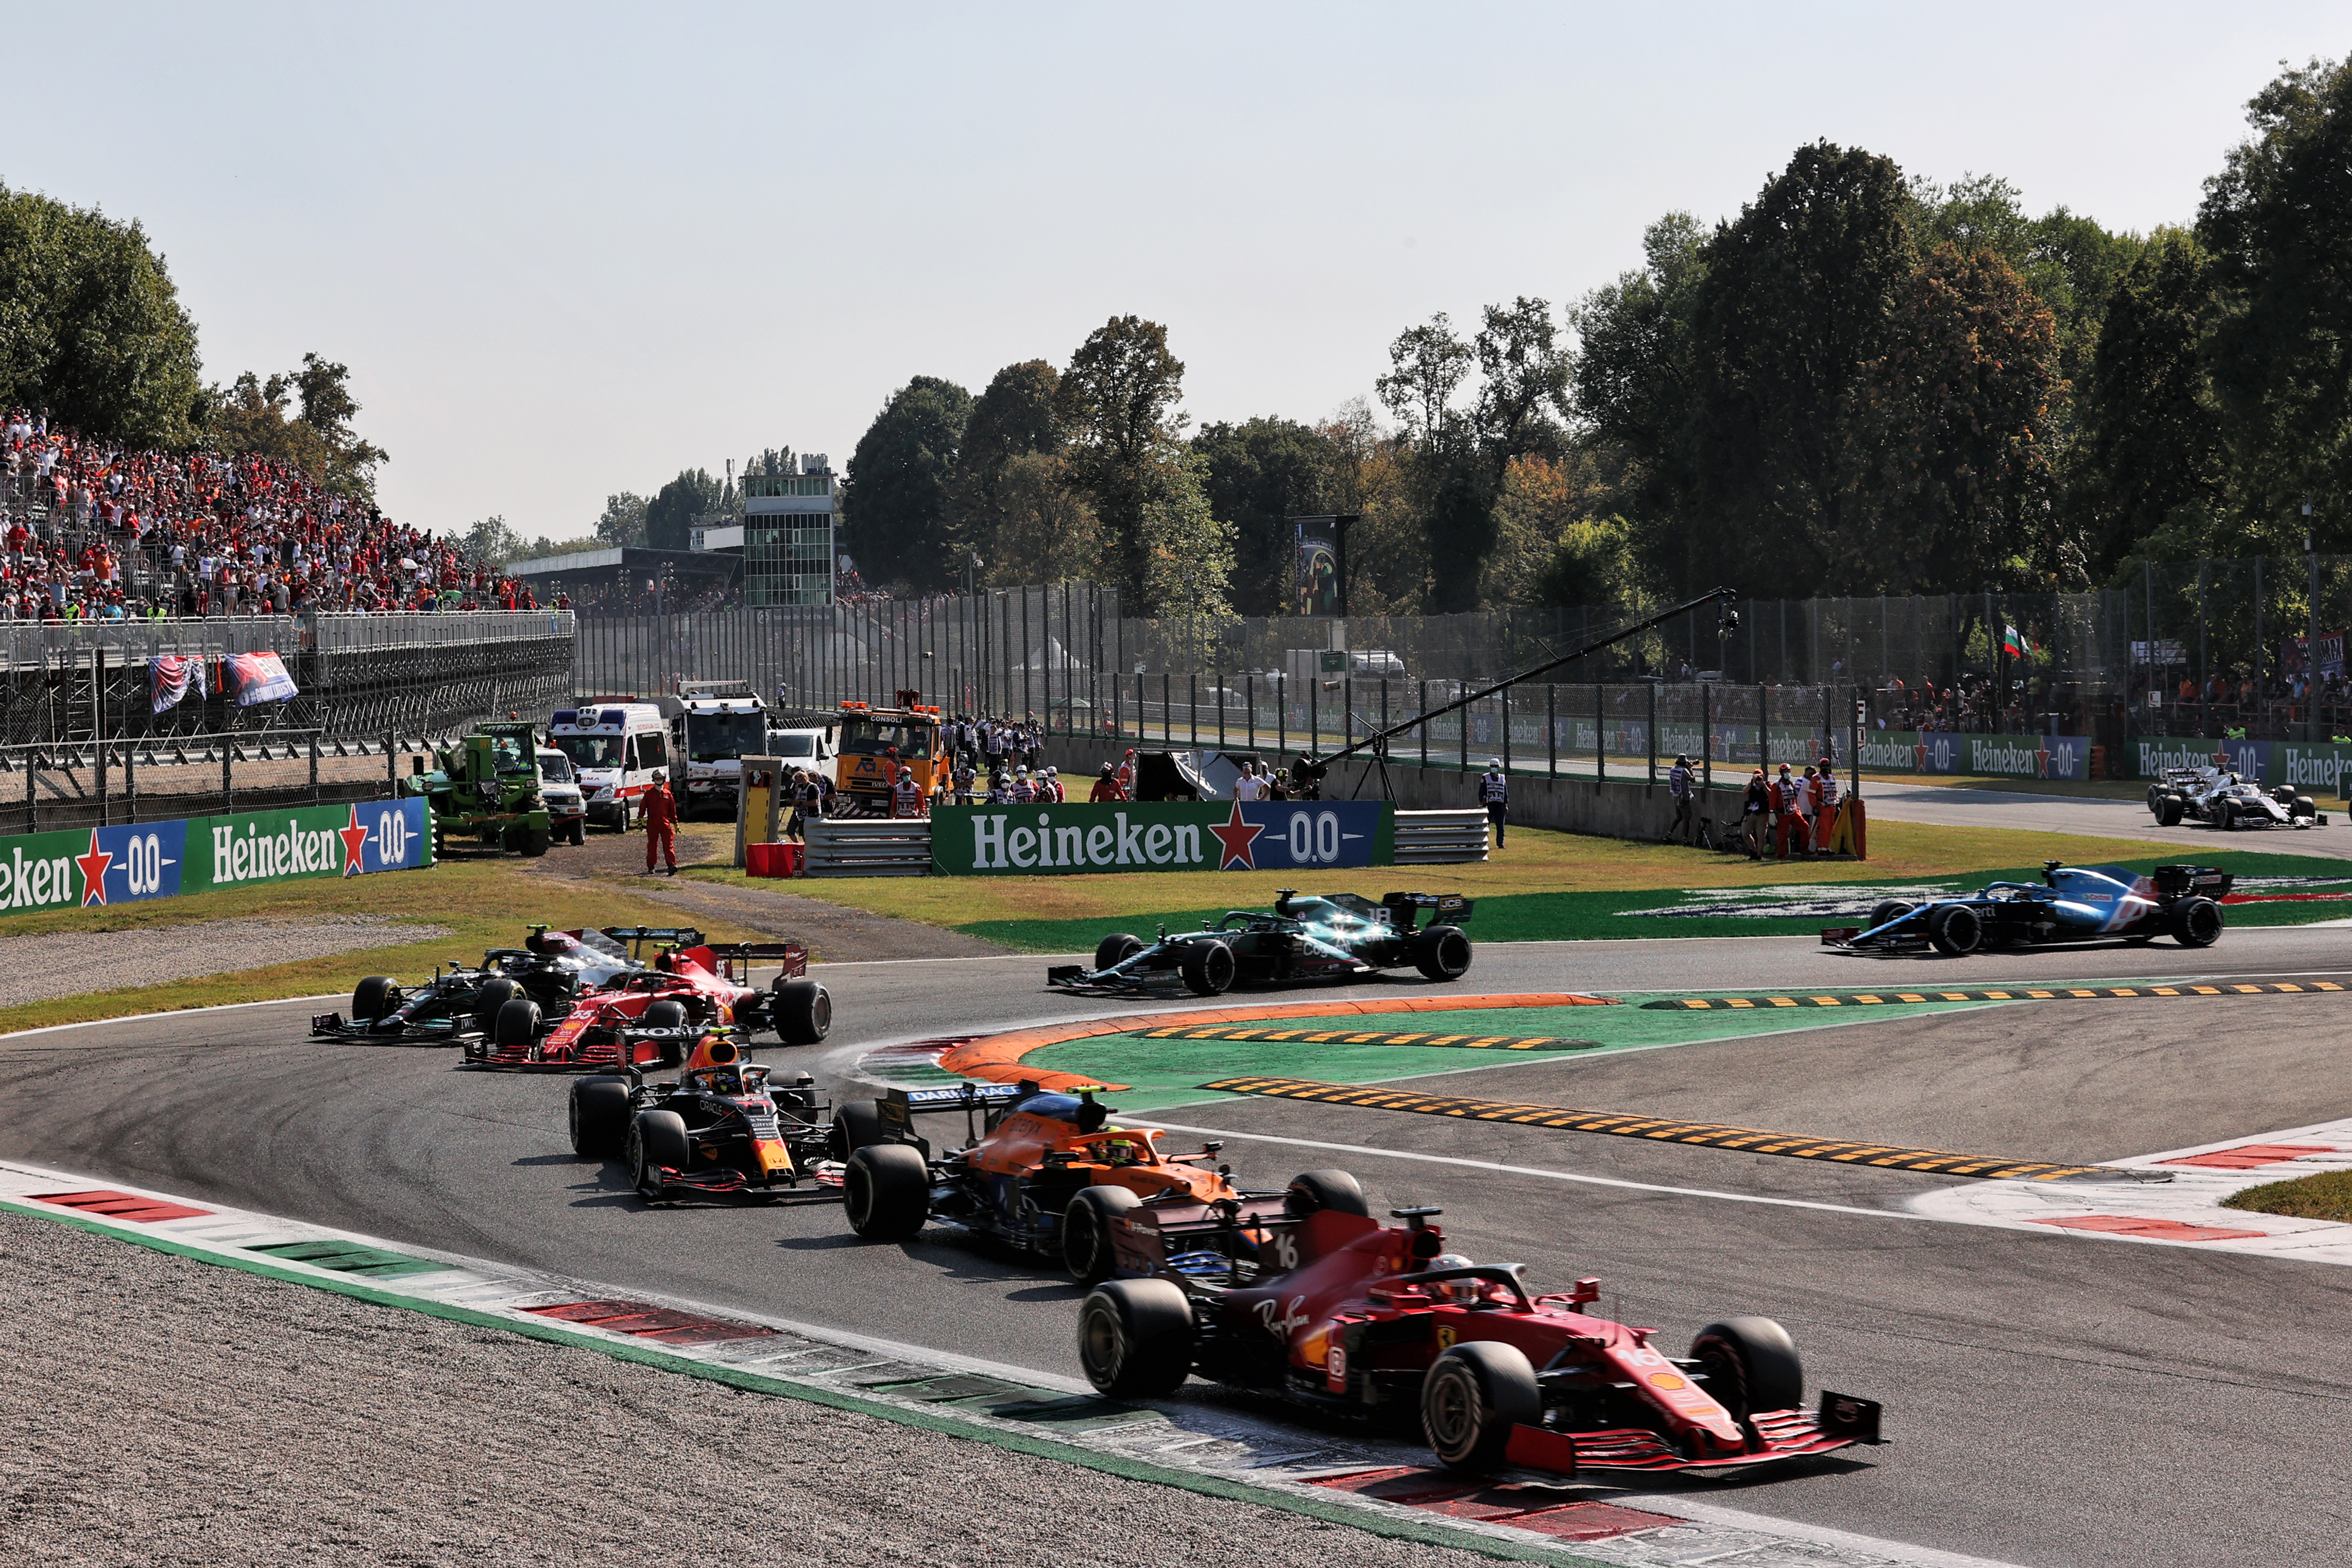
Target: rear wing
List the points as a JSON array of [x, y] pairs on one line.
[[897, 1108], [1256, 1232], [668, 936], [2199, 882], [1446, 908]]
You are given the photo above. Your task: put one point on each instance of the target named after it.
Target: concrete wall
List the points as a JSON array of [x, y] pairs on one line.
[[1613, 807]]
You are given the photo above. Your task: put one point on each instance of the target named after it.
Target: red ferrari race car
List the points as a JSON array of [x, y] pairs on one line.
[[1337, 1311], [653, 1016]]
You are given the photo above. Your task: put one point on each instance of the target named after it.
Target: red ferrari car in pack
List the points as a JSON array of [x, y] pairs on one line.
[[1337, 1312], [653, 1016]]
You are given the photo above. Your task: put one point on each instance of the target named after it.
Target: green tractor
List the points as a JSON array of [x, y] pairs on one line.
[[487, 787]]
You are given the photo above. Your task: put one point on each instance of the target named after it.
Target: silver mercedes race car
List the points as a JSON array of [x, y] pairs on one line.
[[2218, 796]]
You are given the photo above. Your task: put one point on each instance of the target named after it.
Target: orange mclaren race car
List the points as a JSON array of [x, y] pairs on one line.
[[655, 1015], [1044, 1172]]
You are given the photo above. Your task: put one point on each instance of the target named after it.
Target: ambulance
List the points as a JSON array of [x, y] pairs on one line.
[[616, 745]]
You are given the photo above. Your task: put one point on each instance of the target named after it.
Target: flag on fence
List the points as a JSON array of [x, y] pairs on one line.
[[259, 678], [173, 676], [2015, 644]]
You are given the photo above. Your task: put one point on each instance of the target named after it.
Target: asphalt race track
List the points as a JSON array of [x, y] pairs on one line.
[[1951, 807], [2054, 1400]]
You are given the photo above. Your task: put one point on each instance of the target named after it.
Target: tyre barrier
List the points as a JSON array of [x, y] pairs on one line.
[[853, 848]]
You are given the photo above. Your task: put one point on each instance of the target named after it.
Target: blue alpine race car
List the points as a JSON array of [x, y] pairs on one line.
[[2071, 903]]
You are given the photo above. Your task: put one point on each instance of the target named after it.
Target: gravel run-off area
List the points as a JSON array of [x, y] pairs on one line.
[[73, 963], [163, 1410]]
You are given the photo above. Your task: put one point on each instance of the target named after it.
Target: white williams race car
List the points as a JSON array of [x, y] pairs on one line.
[[2215, 795]]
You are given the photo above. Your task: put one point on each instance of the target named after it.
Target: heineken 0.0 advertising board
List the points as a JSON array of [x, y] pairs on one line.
[[87, 867], [1161, 835]]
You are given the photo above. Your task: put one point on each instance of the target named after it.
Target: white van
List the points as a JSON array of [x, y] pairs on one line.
[[614, 746], [816, 750]]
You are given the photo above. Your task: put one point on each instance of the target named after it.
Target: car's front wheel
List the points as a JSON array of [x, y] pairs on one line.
[[375, 997], [1751, 1366], [1956, 930], [1116, 948], [656, 1139], [1472, 1398], [1207, 968], [1888, 911]]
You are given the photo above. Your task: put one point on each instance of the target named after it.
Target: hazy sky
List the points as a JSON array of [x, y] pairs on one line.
[[567, 250]]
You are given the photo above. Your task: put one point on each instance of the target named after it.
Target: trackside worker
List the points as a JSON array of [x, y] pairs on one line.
[[1126, 776], [661, 823], [905, 795], [1788, 811], [1756, 813], [1678, 784], [1825, 804], [1495, 795], [1107, 787]]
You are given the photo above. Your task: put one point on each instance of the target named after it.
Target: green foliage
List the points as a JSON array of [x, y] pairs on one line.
[[1041, 528], [1261, 474], [1013, 418], [670, 516], [256, 417], [772, 463], [493, 543], [894, 502], [2152, 431], [91, 325], [623, 524], [1188, 554], [1117, 407], [2277, 221]]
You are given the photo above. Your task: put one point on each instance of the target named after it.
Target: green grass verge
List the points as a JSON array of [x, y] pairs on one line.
[[2327, 1196]]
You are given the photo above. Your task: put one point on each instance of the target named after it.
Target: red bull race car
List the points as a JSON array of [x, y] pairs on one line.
[[1335, 1311], [727, 1127], [2071, 903], [652, 1015]]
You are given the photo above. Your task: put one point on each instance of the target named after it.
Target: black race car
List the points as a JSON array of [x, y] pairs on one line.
[[1336, 936], [726, 1126], [463, 1000]]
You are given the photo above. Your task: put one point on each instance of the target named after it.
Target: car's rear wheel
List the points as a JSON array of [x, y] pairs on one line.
[[656, 1139], [886, 1193], [2227, 816], [1887, 912], [517, 1022], [600, 1115], [856, 1124], [1442, 953], [2167, 811], [1207, 968], [1312, 1191], [494, 993], [2196, 923], [377, 997], [1086, 1249], [1117, 948], [1135, 1338], [2304, 806], [1751, 1366], [802, 1010], [1955, 930], [667, 1012], [1472, 1398]]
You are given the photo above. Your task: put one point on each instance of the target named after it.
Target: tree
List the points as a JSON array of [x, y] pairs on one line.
[[1117, 406], [491, 543], [1187, 555], [1042, 531], [91, 327], [671, 515], [773, 463], [1797, 302], [2153, 433], [894, 502], [2278, 223], [253, 416], [1523, 373], [1426, 366], [623, 525], [1261, 474], [1388, 549], [1015, 417]]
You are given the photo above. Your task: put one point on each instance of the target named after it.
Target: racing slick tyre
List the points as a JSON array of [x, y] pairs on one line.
[[1751, 1366], [494, 993], [377, 997], [1442, 953], [803, 1010], [1116, 948], [1312, 1191], [1472, 1398], [666, 1013], [1955, 930], [2303, 806], [1135, 1338], [856, 1125], [2196, 922], [2227, 816], [657, 1137], [1208, 968], [1086, 1251], [1887, 911], [886, 1193], [600, 1115], [2167, 811], [517, 1022]]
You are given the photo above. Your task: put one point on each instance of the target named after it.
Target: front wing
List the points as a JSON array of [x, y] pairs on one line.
[[428, 1032], [1840, 1422]]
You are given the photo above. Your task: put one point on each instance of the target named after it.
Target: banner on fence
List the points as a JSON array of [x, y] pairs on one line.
[[174, 676], [1164, 836], [90, 867], [1998, 756], [257, 677]]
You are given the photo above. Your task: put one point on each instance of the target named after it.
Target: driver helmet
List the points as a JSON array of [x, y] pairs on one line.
[[1460, 1291]]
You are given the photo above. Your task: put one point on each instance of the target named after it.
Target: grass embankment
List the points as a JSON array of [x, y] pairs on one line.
[[2327, 1196], [1546, 884], [481, 903]]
